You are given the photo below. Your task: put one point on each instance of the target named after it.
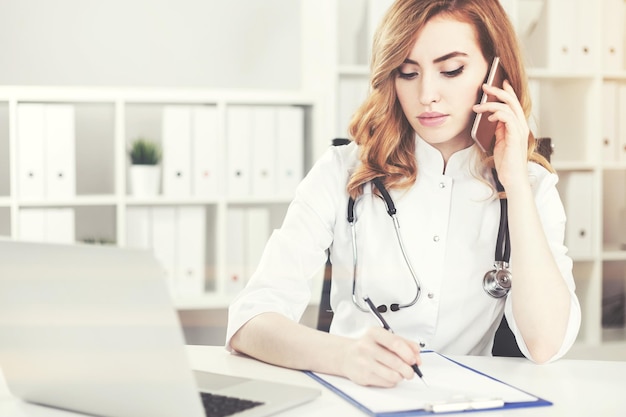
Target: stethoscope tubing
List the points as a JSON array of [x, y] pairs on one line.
[[492, 283], [391, 211]]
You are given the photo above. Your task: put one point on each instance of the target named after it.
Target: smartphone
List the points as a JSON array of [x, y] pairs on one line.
[[483, 131]]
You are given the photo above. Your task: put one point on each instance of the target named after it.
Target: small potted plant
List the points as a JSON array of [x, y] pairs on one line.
[[145, 172]]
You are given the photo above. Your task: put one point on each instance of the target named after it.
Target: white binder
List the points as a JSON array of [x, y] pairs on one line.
[[551, 42], [263, 153], [376, 10], [610, 121], [59, 148], [613, 16], [32, 225], [238, 159], [585, 51], [579, 210], [206, 154], [621, 117], [190, 249], [561, 39], [176, 151], [139, 227], [50, 225], [352, 93], [257, 234], [164, 242], [235, 278], [30, 151], [290, 149], [59, 225]]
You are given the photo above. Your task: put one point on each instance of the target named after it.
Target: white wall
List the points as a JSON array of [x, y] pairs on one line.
[[185, 43]]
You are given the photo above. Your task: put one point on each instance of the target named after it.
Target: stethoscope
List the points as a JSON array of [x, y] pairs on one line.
[[496, 283]]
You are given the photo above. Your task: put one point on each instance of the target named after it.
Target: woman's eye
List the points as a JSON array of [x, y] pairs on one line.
[[454, 73], [407, 75]]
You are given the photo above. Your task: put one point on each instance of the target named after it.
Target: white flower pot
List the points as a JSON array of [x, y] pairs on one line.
[[145, 180]]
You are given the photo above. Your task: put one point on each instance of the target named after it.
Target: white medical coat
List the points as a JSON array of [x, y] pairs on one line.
[[449, 224]]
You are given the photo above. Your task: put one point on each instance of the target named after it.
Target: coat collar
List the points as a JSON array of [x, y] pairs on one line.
[[430, 161]]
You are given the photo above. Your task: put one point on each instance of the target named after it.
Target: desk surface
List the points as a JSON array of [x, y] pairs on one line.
[[576, 387]]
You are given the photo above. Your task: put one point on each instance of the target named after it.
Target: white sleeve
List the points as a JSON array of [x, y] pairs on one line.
[[296, 252], [552, 216]]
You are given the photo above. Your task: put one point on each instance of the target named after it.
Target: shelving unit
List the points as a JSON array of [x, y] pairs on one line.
[[106, 121], [568, 65]]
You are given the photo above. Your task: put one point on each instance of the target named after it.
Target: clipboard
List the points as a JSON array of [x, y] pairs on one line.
[[453, 388]]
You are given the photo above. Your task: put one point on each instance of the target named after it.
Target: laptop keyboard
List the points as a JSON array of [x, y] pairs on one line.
[[221, 405]]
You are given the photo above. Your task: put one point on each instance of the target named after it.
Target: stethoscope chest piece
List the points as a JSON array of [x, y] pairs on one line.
[[497, 282]]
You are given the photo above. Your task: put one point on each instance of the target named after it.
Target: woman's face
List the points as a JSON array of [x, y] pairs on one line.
[[440, 81]]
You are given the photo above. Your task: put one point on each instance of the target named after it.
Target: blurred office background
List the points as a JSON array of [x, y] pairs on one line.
[[129, 59]]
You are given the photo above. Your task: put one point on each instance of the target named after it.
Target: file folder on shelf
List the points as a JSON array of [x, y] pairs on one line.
[[452, 387], [610, 123], [551, 43], [263, 146], [290, 148], [190, 248], [163, 246], [613, 13], [176, 235], [621, 123], [235, 278], [139, 227], [257, 234], [238, 131], [51, 225], [579, 207], [46, 151], [30, 151], [176, 151], [585, 52], [60, 150], [206, 154]]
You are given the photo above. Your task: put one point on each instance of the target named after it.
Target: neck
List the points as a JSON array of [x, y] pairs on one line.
[[448, 148]]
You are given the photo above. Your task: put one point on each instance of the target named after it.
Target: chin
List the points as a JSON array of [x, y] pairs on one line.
[[435, 138]]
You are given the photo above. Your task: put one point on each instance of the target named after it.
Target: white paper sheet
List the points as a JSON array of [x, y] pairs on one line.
[[447, 381]]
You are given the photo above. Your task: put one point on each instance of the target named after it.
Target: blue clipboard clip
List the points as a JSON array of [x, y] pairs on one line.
[[464, 404]]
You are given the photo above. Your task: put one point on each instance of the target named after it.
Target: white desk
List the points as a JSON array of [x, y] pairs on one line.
[[577, 388]]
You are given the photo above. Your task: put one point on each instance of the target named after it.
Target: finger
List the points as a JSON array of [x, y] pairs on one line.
[[395, 366], [512, 121], [372, 364], [514, 101], [506, 95], [382, 377], [513, 127], [404, 352]]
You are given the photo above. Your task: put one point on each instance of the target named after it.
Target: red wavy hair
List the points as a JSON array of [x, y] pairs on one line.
[[385, 137]]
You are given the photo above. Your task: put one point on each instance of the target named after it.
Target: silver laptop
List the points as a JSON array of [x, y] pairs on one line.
[[92, 329]]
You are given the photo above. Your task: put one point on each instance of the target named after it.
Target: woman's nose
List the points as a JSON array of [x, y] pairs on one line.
[[428, 91]]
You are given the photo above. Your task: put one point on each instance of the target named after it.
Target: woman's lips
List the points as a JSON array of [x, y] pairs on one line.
[[432, 119]]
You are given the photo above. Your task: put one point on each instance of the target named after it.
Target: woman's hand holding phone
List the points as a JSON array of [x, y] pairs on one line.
[[500, 127], [511, 134]]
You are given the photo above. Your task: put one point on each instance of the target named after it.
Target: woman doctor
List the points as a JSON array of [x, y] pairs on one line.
[[430, 59]]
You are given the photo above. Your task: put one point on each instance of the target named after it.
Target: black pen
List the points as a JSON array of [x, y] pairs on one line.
[[385, 325]]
